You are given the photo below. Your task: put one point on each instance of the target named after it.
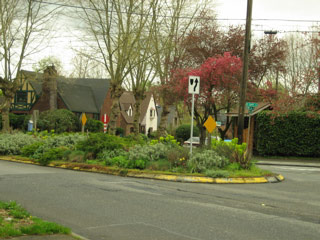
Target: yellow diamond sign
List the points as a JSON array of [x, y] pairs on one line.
[[210, 124], [83, 119]]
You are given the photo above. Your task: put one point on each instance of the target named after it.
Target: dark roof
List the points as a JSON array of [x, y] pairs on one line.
[[261, 106], [99, 86], [81, 100], [79, 94]]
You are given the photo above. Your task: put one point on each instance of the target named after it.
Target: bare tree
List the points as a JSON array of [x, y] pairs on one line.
[[141, 74], [173, 19], [116, 27], [85, 65], [301, 75], [20, 21]]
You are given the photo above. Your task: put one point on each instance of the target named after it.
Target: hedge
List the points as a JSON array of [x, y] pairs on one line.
[[17, 121], [293, 134]]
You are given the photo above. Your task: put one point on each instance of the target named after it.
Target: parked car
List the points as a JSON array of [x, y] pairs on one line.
[[196, 141]]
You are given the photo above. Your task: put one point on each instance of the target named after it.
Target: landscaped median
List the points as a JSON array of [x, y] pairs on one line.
[[158, 175]]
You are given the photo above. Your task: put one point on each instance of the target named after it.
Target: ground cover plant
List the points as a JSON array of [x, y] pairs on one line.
[[100, 151], [16, 221]]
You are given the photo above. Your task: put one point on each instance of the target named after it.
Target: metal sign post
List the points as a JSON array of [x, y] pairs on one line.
[[193, 88], [250, 106]]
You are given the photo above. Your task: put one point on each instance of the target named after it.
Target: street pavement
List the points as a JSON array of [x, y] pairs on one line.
[[99, 206]]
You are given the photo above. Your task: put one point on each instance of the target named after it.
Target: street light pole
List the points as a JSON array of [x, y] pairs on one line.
[[243, 85]]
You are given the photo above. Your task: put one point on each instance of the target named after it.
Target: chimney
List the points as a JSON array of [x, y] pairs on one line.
[[49, 87]]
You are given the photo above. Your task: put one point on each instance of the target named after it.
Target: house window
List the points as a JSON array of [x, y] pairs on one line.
[[152, 113], [22, 97], [130, 112]]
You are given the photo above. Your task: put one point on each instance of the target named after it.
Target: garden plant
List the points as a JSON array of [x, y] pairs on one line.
[[99, 150]]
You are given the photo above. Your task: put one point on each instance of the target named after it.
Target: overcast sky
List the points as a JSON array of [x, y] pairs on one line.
[[272, 9], [225, 9]]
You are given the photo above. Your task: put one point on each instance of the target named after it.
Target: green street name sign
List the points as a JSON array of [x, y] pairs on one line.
[[251, 104]]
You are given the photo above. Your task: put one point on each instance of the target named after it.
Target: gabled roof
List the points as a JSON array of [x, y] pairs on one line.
[[78, 98], [127, 99], [261, 106], [79, 94]]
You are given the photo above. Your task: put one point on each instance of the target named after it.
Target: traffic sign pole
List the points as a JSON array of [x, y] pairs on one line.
[[193, 88], [191, 130]]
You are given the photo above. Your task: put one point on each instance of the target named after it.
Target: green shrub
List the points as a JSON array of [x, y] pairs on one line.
[[74, 156], [178, 156], [148, 152], [52, 154], [94, 126], [13, 143], [67, 141], [205, 160], [139, 156], [119, 161], [119, 131], [98, 142], [183, 132], [29, 150], [17, 121], [60, 120], [294, 134], [161, 165], [108, 155], [233, 151]]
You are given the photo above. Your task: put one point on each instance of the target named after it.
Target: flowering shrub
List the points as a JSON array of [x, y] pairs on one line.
[[207, 159], [233, 151], [169, 140], [178, 156]]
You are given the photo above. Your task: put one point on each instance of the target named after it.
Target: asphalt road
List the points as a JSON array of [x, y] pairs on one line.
[[100, 207]]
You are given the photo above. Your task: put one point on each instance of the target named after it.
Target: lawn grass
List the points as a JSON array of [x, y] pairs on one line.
[[16, 221]]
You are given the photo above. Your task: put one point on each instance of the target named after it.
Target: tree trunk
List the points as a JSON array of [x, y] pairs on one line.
[[162, 131], [115, 111], [5, 115], [136, 119], [203, 134], [116, 92], [223, 132]]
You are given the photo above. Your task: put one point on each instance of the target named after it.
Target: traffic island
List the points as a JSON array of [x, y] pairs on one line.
[[157, 176]]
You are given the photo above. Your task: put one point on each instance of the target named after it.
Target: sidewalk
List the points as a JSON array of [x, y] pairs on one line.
[[290, 162]]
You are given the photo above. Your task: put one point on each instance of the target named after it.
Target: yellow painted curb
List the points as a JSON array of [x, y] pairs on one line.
[[175, 178], [280, 177]]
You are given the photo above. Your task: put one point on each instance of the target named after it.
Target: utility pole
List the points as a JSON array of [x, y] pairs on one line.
[[243, 85]]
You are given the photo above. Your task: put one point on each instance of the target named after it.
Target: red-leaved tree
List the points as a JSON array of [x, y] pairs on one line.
[[219, 89]]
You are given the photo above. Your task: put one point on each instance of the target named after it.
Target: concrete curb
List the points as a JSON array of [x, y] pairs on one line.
[[174, 178], [289, 164]]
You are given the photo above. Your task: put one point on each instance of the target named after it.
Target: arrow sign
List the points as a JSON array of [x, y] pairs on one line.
[[194, 85]]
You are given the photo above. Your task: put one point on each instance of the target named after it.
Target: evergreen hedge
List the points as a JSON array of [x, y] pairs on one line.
[[293, 134]]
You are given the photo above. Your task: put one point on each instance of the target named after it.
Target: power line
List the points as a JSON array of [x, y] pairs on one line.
[[187, 17]]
